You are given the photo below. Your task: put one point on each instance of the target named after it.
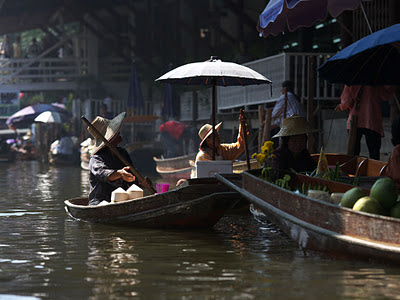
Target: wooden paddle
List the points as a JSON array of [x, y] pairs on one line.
[[246, 148], [116, 152]]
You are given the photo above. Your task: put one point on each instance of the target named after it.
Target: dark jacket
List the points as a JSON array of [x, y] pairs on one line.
[[101, 165], [285, 161]]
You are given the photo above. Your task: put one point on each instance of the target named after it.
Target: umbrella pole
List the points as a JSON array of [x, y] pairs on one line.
[[116, 152], [246, 146], [214, 108]]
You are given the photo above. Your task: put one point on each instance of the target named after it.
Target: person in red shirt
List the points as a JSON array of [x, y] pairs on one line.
[[365, 102], [174, 135]]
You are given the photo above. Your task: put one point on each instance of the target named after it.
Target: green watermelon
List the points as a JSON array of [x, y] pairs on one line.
[[395, 211], [368, 204], [351, 196], [385, 191]]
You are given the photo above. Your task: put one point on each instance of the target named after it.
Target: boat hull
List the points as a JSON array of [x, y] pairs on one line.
[[173, 169], [321, 226], [192, 206]]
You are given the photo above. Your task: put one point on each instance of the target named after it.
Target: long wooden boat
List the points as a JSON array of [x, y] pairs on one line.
[[85, 158], [352, 164], [63, 160], [173, 169], [323, 226], [368, 170], [9, 156], [198, 204]]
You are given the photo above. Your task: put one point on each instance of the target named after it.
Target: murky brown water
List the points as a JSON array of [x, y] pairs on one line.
[[45, 254]]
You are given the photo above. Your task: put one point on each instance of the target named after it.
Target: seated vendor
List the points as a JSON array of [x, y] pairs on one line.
[[393, 166], [222, 151], [107, 171], [292, 153]]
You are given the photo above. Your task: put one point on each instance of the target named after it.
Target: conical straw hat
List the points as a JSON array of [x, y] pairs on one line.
[[107, 128], [206, 130], [294, 125]]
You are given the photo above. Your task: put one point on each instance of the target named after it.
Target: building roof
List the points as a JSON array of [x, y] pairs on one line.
[[21, 15]]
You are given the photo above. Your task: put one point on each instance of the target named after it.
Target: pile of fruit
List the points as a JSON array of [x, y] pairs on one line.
[[382, 200]]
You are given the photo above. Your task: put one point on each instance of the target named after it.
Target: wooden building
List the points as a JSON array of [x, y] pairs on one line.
[[107, 37]]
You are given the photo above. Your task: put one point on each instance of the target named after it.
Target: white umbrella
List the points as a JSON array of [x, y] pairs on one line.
[[49, 117], [213, 72]]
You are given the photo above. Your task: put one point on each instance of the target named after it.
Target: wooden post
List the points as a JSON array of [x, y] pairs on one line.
[[267, 125], [351, 141], [261, 119], [246, 146], [310, 100]]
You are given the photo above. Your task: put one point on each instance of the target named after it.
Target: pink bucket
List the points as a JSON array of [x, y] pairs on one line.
[[162, 188]]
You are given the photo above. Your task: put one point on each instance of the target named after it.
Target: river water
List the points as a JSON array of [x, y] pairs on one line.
[[44, 254]]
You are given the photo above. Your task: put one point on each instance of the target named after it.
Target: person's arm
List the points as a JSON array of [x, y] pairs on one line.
[[105, 173], [277, 112], [347, 98], [233, 150], [123, 174]]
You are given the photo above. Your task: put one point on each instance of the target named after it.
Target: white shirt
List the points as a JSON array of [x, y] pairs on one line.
[[293, 107]]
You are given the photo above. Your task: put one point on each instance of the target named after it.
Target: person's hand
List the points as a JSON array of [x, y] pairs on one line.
[[242, 117], [181, 181], [126, 175], [146, 183], [337, 108]]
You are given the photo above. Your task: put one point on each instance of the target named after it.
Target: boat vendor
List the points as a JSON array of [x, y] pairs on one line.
[[292, 153], [223, 151], [107, 172]]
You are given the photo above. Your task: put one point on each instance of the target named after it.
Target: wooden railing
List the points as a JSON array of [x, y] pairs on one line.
[[25, 70]]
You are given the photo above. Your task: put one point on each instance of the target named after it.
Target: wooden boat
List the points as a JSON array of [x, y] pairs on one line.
[[322, 226], [85, 158], [173, 169], [6, 153], [198, 204], [8, 156], [63, 160], [352, 164], [367, 169], [85, 152]]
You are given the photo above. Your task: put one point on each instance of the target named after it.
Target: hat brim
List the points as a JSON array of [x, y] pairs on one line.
[[210, 132], [290, 132], [112, 129]]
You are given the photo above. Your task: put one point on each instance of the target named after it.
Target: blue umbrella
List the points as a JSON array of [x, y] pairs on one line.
[[373, 60], [26, 116], [135, 98], [292, 14]]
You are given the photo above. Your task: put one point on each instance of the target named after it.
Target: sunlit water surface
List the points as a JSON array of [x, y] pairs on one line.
[[45, 254]]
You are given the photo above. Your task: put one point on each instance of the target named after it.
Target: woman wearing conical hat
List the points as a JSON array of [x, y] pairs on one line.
[[223, 151], [107, 172], [292, 153]]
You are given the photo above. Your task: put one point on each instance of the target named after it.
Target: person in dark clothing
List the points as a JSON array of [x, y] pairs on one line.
[[292, 153], [107, 172]]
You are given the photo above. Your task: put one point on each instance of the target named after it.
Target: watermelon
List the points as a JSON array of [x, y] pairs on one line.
[[385, 191]]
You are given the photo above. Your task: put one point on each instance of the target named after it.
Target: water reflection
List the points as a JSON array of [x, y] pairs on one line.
[[46, 254]]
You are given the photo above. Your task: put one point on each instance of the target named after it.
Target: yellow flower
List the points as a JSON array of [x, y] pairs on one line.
[[261, 157], [268, 147], [254, 155]]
